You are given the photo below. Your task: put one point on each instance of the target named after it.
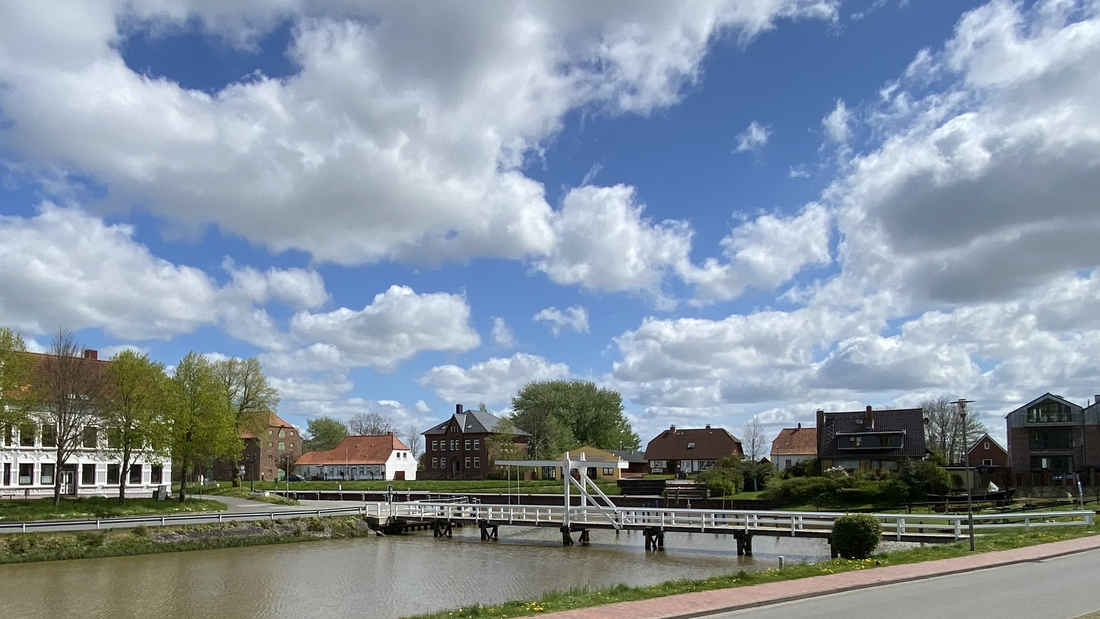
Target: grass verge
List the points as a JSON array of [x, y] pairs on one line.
[[29, 547], [243, 493], [441, 486], [584, 598], [19, 510]]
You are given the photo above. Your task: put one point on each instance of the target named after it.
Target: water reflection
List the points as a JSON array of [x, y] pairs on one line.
[[370, 578]]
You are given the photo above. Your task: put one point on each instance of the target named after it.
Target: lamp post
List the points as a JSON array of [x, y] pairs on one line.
[[961, 403]]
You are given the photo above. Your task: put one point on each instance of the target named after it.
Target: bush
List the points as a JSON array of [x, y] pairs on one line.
[[924, 477], [724, 478], [141, 531], [855, 536]]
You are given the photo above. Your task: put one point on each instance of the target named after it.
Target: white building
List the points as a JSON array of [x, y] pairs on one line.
[[28, 468], [381, 457]]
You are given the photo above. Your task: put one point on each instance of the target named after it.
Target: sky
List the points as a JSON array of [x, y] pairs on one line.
[[720, 209]]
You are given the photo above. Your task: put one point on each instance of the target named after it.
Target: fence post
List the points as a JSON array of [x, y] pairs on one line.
[[899, 527], [958, 527], [97, 525]]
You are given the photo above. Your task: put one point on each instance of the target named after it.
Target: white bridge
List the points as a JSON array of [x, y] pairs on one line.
[[597, 511]]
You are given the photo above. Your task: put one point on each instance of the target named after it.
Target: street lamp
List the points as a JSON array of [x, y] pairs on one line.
[[961, 403]]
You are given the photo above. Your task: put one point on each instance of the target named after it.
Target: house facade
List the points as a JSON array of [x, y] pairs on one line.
[[987, 452], [870, 440], [793, 446], [271, 446], [1053, 435], [690, 450], [360, 457], [456, 448], [28, 467], [602, 464], [637, 465]]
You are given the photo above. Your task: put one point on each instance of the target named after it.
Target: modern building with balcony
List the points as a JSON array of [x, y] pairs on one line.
[[1053, 437]]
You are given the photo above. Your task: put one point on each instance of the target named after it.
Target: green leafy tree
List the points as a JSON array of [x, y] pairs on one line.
[[251, 396], [726, 477], [923, 477], [134, 411], [501, 444], [203, 420], [325, 433], [15, 366], [561, 415]]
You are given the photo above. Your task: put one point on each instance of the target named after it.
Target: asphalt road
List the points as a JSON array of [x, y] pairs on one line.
[[1060, 588]]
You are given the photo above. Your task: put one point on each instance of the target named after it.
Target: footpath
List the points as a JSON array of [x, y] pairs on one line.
[[705, 603]]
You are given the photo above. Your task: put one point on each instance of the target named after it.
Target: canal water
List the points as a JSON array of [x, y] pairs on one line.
[[370, 578]]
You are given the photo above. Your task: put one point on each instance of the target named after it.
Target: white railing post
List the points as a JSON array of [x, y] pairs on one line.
[[899, 526]]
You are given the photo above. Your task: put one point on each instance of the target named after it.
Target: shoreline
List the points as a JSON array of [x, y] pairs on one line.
[[141, 540]]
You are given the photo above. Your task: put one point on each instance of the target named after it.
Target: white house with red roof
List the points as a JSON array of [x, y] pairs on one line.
[[362, 457]]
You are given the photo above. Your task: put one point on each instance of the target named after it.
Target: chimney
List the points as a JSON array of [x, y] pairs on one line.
[[708, 426], [458, 409], [1096, 399], [672, 428], [870, 417], [91, 354], [799, 425]]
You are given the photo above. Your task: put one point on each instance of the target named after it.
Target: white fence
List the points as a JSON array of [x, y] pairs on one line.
[[185, 518]]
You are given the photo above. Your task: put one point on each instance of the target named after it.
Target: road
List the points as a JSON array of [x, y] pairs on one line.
[[1059, 588]]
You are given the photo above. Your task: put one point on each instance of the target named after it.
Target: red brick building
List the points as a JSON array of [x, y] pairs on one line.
[[1051, 435], [987, 452], [456, 448], [270, 445]]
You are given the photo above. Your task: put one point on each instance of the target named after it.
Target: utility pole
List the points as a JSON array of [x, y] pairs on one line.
[[961, 403]]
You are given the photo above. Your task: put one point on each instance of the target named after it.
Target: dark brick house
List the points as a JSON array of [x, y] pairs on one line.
[[689, 450], [456, 448], [270, 444], [870, 440], [1053, 435], [986, 452]]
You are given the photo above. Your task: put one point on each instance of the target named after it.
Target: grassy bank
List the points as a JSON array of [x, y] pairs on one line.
[[243, 493], [28, 547], [434, 486], [19, 510], [584, 598]]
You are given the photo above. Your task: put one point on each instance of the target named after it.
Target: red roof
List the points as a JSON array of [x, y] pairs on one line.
[[256, 421], [795, 442], [356, 450]]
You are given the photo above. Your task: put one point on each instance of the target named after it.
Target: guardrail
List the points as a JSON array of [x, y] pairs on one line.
[[190, 518], [758, 522]]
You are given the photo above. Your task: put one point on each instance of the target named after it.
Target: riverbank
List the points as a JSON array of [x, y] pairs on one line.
[[54, 546], [585, 598], [24, 510]]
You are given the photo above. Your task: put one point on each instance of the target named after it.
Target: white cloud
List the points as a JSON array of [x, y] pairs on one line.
[[422, 406], [501, 334], [753, 138], [394, 139], [574, 317], [494, 381], [837, 123], [799, 172], [397, 324]]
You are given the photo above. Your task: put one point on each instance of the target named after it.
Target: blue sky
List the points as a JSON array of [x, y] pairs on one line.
[[720, 209]]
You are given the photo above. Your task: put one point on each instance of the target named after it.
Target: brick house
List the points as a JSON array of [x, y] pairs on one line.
[[987, 452], [870, 440], [690, 450], [378, 456], [456, 448], [270, 444], [1053, 435], [793, 446], [28, 452]]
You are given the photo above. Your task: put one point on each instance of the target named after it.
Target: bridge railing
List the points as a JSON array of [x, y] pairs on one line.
[[894, 526]]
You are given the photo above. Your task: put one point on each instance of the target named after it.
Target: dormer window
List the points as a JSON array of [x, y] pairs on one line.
[[691, 445]]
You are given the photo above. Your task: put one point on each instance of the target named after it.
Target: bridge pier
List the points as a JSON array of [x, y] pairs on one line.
[[584, 536], [488, 531], [654, 539], [833, 554], [744, 543], [566, 539], [442, 528]]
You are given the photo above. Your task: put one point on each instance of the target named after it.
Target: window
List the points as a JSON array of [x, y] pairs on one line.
[[46, 476], [282, 433], [435, 463], [156, 474], [1050, 412], [49, 435], [987, 445], [26, 434], [135, 473], [468, 463], [8, 435], [477, 444], [468, 444], [443, 463], [292, 446], [112, 473], [270, 432], [91, 437], [1051, 439], [549, 472], [477, 463], [850, 465], [787, 463], [435, 445], [114, 438], [691, 445], [282, 446], [26, 474], [269, 443], [7, 473], [869, 441], [1057, 464], [607, 471], [87, 474], [987, 462]]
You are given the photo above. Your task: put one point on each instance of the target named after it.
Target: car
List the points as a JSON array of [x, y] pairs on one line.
[[293, 477]]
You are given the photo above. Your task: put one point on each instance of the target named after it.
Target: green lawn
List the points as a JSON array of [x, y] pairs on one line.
[[19, 510], [584, 598], [243, 493], [500, 486]]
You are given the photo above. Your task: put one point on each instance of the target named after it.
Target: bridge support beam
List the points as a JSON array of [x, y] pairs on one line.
[[744, 543], [442, 528], [566, 539], [584, 536], [488, 531], [654, 539]]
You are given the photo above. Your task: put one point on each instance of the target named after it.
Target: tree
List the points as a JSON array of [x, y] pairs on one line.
[[362, 423], [325, 433], [755, 445], [15, 366], [944, 429], [246, 388], [413, 440], [203, 420], [68, 392], [133, 411], [726, 477], [562, 415], [501, 444]]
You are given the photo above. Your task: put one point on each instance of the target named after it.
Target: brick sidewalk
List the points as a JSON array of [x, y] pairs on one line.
[[722, 600]]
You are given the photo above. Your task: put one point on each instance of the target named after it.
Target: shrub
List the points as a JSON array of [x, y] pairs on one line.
[[924, 477], [141, 531], [855, 536], [315, 525], [724, 478], [92, 539], [800, 489]]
